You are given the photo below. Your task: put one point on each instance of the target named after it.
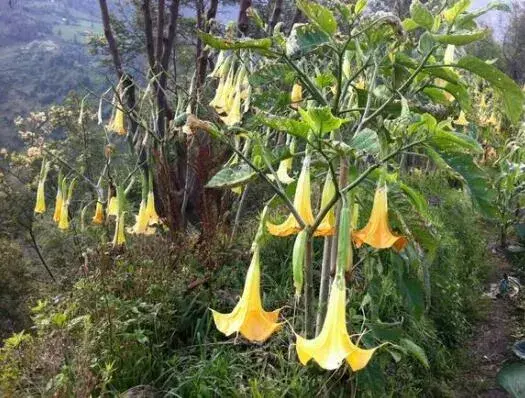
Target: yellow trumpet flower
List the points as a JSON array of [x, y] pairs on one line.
[[63, 223], [117, 122], [234, 115], [223, 94], [333, 344], [282, 172], [248, 317], [98, 218], [113, 206], [327, 226], [141, 223], [302, 204], [58, 205], [461, 120], [377, 232], [296, 95], [151, 213], [119, 238], [40, 206]]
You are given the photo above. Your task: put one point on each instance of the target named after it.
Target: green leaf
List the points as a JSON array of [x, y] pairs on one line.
[[454, 142], [421, 15], [467, 19], [476, 180], [293, 127], [221, 43], [360, 5], [507, 88], [319, 15], [437, 94], [461, 94], [416, 198], [230, 177], [305, 38], [320, 119], [409, 24], [450, 14], [460, 39], [366, 141], [413, 293], [512, 379], [416, 351], [272, 73]]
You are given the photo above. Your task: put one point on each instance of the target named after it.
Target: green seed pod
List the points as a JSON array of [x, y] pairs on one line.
[[299, 249], [344, 245]]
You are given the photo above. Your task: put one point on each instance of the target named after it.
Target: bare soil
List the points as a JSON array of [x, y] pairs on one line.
[[491, 342]]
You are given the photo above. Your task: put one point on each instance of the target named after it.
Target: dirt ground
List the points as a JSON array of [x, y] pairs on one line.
[[490, 345]]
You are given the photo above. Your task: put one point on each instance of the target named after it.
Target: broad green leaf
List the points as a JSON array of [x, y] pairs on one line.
[[420, 15], [474, 177], [467, 19], [445, 73], [293, 127], [509, 90], [366, 141], [450, 14], [360, 5], [409, 24], [221, 43], [416, 198], [437, 94], [461, 94], [272, 73], [454, 142], [460, 39], [320, 119], [412, 292], [325, 79], [512, 379], [319, 15], [305, 38], [415, 350], [230, 177]]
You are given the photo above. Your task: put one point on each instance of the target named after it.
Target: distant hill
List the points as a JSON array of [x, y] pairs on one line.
[[43, 56]]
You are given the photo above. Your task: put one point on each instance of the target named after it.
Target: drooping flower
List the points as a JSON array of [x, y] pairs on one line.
[[63, 222], [113, 207], [98, 218], [377, 232], [40, 206], [296, 95], [141, 226], [461, 120], [117, 122], [333, 345], [282, 171], [327, 226], [119, 238], [58, 204], [302, 204], [151, 214], [248, 317]]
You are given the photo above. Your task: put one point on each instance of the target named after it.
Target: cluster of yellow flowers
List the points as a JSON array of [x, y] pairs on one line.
[[232, 97], [146, 218]]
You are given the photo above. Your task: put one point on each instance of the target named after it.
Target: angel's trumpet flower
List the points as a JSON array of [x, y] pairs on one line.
[[119, 238], [58, 203], [461, 120], [117, 122], [151, 213], [63, 223], [333, 344], [248, 317], [224, 92], [296, 95], [40, 205], [98, 218], [327, 226], [282, 171], [302, 205], [141, 226], [377, 232], [113, 206]]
